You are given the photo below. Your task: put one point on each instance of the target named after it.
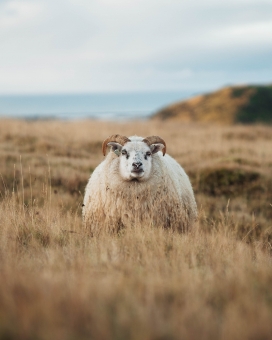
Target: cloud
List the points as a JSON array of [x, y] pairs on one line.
[[14, 14], [115, 45]]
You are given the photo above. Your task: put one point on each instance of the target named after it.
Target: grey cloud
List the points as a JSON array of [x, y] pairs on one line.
[[88, 45]]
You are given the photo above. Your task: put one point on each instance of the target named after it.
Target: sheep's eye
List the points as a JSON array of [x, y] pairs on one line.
[[124, 152], [148, 153]]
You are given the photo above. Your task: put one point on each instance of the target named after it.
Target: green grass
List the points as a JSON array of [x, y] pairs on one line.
[[259, 107]]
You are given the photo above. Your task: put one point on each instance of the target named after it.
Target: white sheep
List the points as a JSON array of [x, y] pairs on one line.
[[137, 184]]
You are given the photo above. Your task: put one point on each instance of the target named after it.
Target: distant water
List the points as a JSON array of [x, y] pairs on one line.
[[106, 106]]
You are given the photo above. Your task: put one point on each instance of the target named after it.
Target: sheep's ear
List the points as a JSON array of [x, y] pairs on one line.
[[156, 147], [116, 148]]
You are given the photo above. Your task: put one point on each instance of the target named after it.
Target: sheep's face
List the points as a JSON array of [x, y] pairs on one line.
[[135, 159]]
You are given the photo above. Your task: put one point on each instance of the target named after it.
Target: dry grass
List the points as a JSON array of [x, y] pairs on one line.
[[58, 283]]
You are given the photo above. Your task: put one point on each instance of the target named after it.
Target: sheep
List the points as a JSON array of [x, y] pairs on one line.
[[138, 183]]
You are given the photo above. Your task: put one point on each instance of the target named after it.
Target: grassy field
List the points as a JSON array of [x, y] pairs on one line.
[[59, 283]]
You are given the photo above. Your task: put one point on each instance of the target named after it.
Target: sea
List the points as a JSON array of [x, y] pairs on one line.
[[103, 106]]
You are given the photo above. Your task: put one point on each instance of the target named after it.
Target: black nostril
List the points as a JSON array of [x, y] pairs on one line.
[[137, 164]]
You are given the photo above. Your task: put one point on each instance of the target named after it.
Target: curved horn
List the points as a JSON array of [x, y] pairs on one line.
[[114, 138], [155, 139]]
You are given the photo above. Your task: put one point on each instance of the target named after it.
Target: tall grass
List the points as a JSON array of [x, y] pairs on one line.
[[57, 282]]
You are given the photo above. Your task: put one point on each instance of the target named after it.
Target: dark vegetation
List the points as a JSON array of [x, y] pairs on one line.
[[258, 109]]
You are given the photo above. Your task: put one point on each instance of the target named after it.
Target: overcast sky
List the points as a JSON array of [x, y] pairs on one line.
[[58, 46]]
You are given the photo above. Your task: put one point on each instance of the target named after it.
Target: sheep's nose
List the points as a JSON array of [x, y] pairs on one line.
[[137, 164]]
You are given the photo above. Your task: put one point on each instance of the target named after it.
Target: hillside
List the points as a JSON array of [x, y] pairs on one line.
[[239, 104]]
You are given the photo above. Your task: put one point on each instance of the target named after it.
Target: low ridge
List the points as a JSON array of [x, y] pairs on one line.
[[230, 105]]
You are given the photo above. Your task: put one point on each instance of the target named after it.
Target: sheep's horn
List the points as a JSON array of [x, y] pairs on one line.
[[114, 138], [155, 139]]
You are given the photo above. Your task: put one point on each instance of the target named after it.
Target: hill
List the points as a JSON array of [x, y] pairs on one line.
[[230, 105]]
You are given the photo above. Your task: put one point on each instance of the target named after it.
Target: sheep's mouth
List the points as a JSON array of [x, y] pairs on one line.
[[137, 171]]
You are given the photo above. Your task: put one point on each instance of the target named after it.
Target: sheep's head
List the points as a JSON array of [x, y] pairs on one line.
[[135, 154]]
